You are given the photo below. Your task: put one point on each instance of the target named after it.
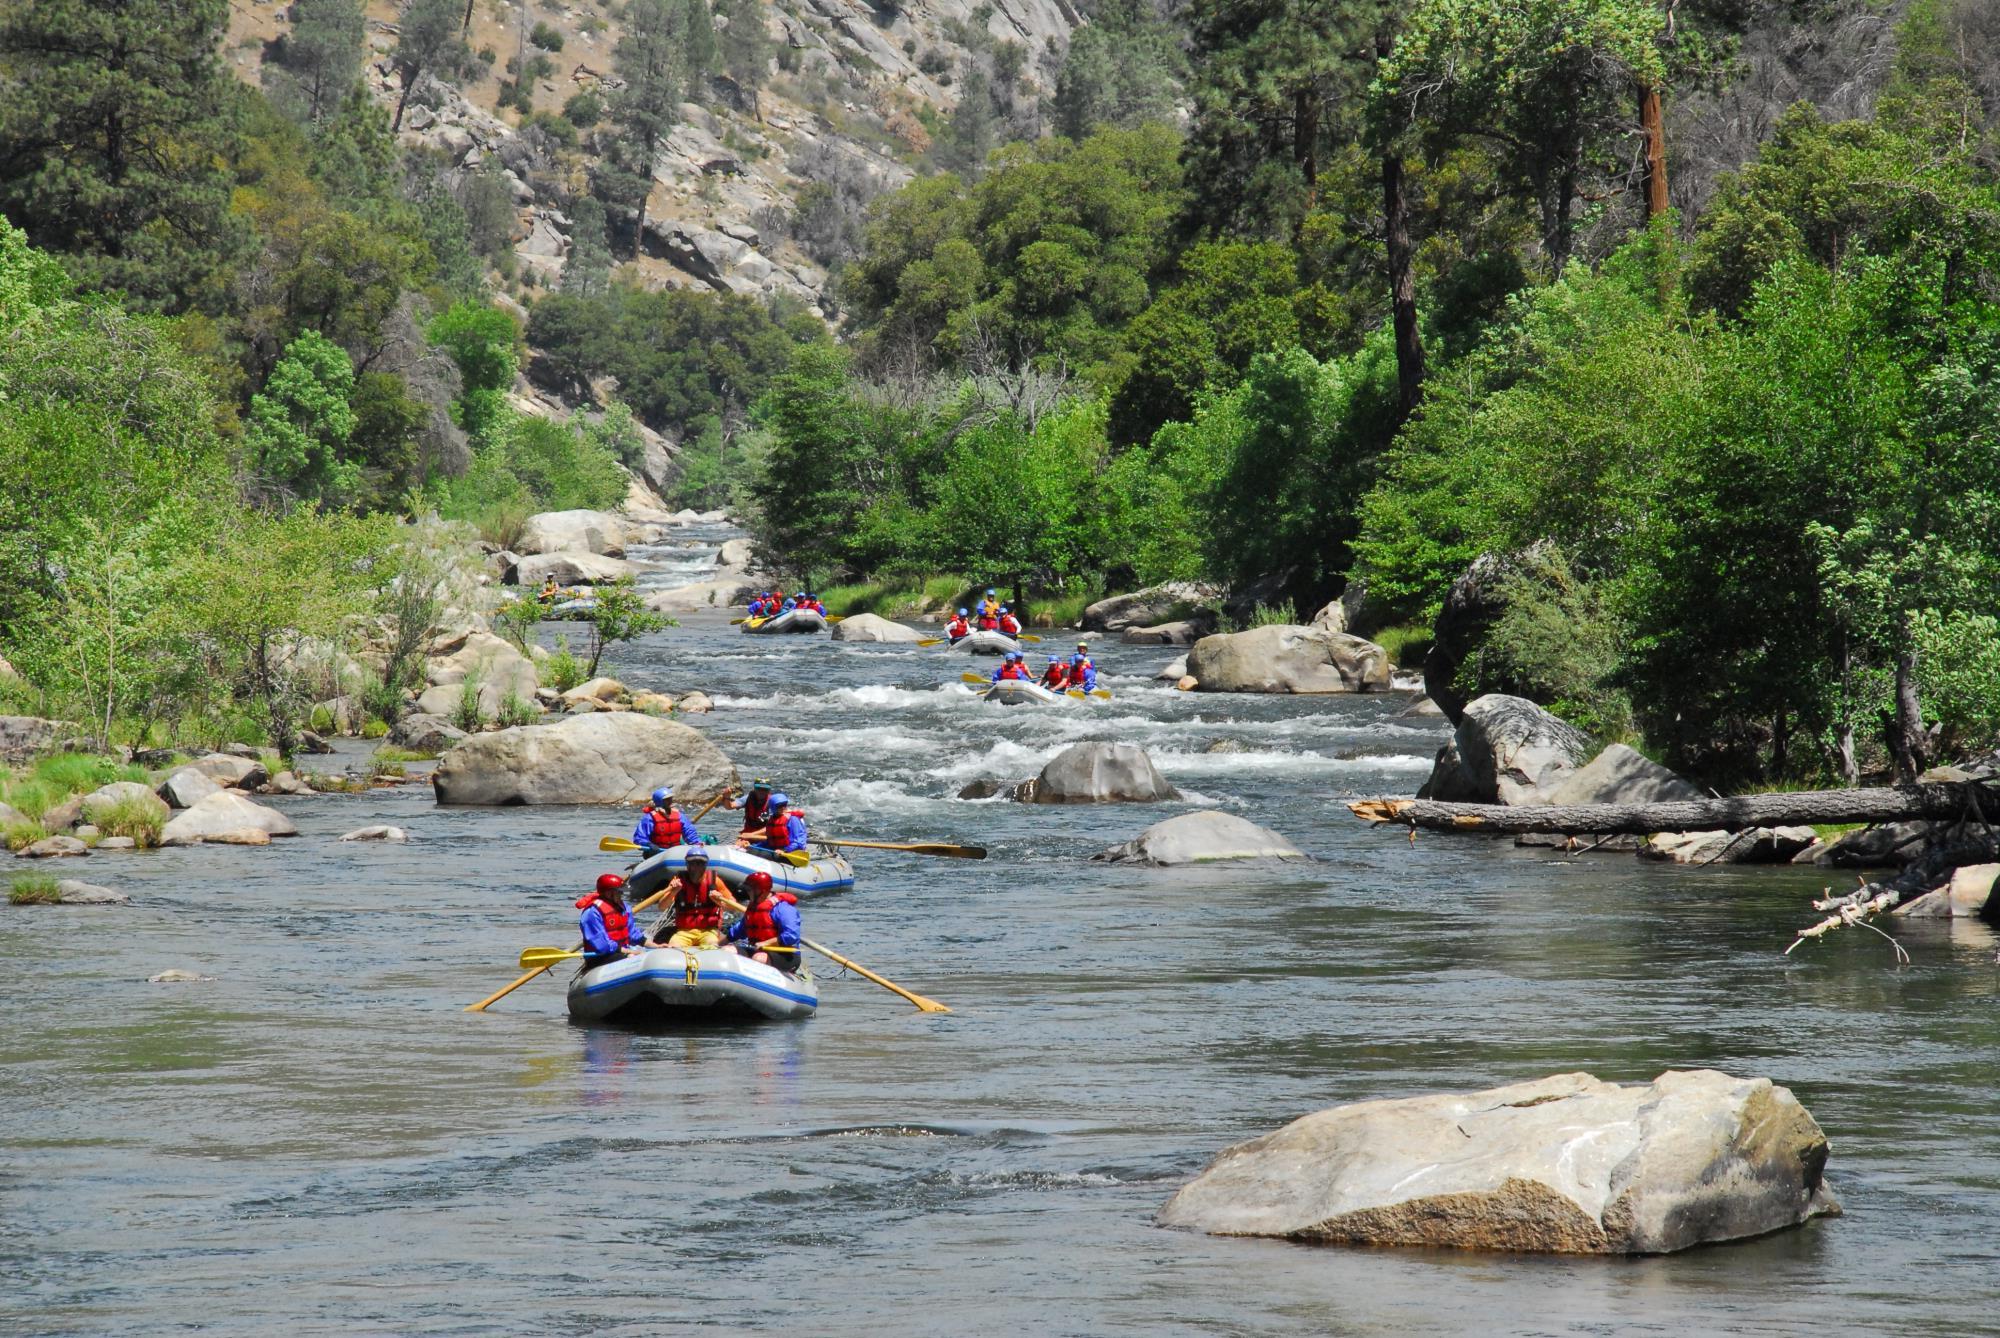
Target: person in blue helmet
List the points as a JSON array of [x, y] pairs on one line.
[[1012, 666], [959, 628], [784, 829], [1009, 624], [989, 612], [1056, 677], [662, 824], [1082, 673]]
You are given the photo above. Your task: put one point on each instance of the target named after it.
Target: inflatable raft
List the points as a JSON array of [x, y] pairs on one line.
[[1022, 692], [827, 872], [986, 643], [675, 984], [573, 609], [792, 620]]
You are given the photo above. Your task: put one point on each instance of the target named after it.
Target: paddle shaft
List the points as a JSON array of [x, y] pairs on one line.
[[498, 995], [940, 848], [926, 1005]]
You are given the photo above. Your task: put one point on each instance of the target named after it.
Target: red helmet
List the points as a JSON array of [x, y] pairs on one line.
[[759, 881], [610, 882]]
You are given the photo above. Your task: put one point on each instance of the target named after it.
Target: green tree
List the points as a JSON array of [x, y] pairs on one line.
[[430, 41], [299, 424], [620, 615], [587, 268], [117, 124], [826, 463], [651, 58], [972, 129], [321, 57], [1123, 69], [746, 46]]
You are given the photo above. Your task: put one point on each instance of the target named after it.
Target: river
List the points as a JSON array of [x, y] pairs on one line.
[[320, 1141]]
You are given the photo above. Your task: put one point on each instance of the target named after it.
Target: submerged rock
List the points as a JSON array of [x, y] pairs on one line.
[[75, 892], [179, 977], [1099, 773], [53, 847], [1201, 838], [1565, 1164], [1288, 659], [380, 832], [600, 758]]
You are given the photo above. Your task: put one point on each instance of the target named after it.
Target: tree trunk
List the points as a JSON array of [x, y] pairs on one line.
[[1908, 731], [1653, 126], [1305, 139], [409, 82], [1402, 287], [1561, 224], [1692, 815]]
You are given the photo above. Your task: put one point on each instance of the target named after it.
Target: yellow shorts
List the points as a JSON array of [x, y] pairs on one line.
[[696, 938]]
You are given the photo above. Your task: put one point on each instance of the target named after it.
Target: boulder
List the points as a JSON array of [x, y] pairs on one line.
[[425, 733], [313, 744], [1514, 752], [571, 569], [117, 843], [242, 836], [53, 847], [1332, 618], [1099, 773], [1154, 604], [1889, 845], [74, 892], [239, 773], [991, 789], [1620, 775], [1201, 838], [597, 690], [125, 793], [1757, 845], [1470, 608], [570, 532], [725, 591], [285, 782], [61, 817], [694, 703], [497, 663], [25, 737], [1173, 671], [1450, 782], [1423, 708], [1968, 895], [10, 814], [222, 816], [1565, 1164], [1187, 683], [1183, 633], [873, 628], [1280, 658], [377, 833], [734, 553], [585, 759]]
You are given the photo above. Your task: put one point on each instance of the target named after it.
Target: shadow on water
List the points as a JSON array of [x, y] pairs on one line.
[[321, 1141]]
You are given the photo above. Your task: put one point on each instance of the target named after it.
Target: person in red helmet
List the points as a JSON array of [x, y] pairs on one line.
[[610, 931], [770, 928]]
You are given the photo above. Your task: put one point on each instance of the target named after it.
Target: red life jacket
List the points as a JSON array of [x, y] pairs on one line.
[[957, 628], [692, 908], [757, 922], [617, 923], [1013, 671], [667, 827], [1055, 676], [753, 812], [1011, 625], [988, 623], [776, 834]]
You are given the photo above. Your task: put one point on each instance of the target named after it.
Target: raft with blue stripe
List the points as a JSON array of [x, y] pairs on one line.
[[669, 984], [826, 872]]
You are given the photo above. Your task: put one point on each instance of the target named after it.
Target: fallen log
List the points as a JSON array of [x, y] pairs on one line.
[[1953, 799]]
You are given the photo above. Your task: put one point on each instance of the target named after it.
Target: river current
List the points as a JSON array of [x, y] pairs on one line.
[[320, 1141]]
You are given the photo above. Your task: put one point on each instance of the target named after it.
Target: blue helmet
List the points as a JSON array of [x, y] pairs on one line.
[[963, 613], [663, 795], [990, 590], [778, 799], [1054, 660], [1003, 608]]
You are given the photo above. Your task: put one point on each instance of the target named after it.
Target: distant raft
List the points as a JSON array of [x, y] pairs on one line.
[[1023, 692], [791, 620], [669, 984], [826, 872], [577, 610], [986, 643]]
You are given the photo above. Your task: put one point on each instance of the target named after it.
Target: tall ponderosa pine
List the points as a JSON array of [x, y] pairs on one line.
[[745, 45], [587, 270], [430, 42], [1124, 68], [116, 125], [652, 59], [321, 57]]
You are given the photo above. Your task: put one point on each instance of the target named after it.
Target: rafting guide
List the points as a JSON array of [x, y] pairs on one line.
[[783, 832], [769, 930], [697, 898]]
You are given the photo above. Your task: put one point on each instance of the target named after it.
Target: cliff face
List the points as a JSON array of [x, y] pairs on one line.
[[846, 108]]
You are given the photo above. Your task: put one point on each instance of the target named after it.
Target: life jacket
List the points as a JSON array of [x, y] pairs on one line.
[[758, 923], [692, 908], [1013, 671], [669, 828], [1011, 625], [957, 627], [989, 608], [1056, 676], [753, 812], [987, 622], [777, 832], [617, 923]]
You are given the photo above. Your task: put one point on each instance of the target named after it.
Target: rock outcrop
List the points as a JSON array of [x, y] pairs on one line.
[[425, 733], [1507, 750], [23, 738], [601, 758], [571, 532], [1280, 658], [1099, 773], [870, 627], [1201, 838], [1141, 608], [570, 569], [226, 818], [1621, 775], [237, 773], [500, 667], [1968, 895], [1565, 1164]]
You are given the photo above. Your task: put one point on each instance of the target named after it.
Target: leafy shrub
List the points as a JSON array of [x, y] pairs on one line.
[[80, 773], [562, 669], [34, 889], [374, 729], [584, 110], [516, 621], [1285, 614], [545, 37], [517, 710], [320, 720], [1407, 644], [468, 715], [388, 768], [382, 701], [390, 752], [1556, 643]]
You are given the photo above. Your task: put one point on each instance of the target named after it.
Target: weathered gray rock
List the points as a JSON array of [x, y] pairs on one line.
[[8, 813], [1888, 845], [571, 532], [23, 738], [990, 789], [726, 590], [221, 816], [1565, 1164], [1758, 845], [312, 744], [1621, 775], [1968, 895], [1185, 632], [873, 628], [585, 759], [1201, 838], [285, 782], [1332, 618], [735, 553], [1281, 658], [694, 703], [61, 817], [1154, 604], [598, 689], [117, 843], [75, 892], [240, 773], [1099, 773], [499, 665], [176, 976], [1423, 708], [377, 833], [53, 847], [1515, 752], [1173, 671], [425, 733], [1450, 782], [98, 803], [571, 569]]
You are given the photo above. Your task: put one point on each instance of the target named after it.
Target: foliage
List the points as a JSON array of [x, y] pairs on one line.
[[300, 423], [33, 889], [620, 614], [133, 817], [516, 621], [320, 57], [587, 269], [429, 41], [1123, 69], [562, 669], [19, 835], [516, 710], [469, 715], [1557, 643]]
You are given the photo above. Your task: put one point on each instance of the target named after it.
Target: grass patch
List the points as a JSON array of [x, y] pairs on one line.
[[901, 597], [80, 773], [34, 889], [387, 768], [517, 710], [130, 817], [1407, 644], [468, 715], [1826, 831], [390, 752], [374, 729], [322, 783], [1285, 614], [19, 835], [32, 797], [1058, 610]]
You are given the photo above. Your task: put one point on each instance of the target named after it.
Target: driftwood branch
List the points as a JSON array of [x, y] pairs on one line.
[[1935, 802]]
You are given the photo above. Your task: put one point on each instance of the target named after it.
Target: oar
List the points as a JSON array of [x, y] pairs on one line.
[[798, 859], [1027, 637], [498, 995], [969, 677], [916, 848], [923, 1004], [1102, 694], [619, 845]]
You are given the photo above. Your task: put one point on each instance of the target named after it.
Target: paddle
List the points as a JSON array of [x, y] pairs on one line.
[[923, 1004], [498, 995], [1102, 694], [916, 848], [798, 859], [1029, 636], [544, 958]]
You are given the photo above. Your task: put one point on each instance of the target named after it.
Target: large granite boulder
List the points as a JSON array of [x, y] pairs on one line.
[[1514, 752], [1450, 782], [1099, 773], [23, 738], [1620, 775], [1565, 1164], [1888, 845], [1968, 895], [1184, 632], [226, 817], [1141, 608], [499, 666], [870, 627], [1201, 838], [571, 532], [53, 847], [600, 758], [570, 569], [728, 589], [1280, 658], [99, 803], [424, 733], [231, 772], [1756, 845]]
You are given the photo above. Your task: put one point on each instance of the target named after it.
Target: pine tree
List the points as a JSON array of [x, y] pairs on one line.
[[116, 126], [321, 57], [1122, 69], [699, 52], [746, 47], [587, 271], [970, 132], [651, 61], [429, 42]]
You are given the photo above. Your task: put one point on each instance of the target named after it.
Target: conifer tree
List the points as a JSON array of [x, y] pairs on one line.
[[321, 57], [429, 42], [587, 271], [651, 60]]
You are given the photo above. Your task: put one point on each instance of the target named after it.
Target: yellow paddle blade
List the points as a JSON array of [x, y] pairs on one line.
[[1102, 694], [835, 617], [1028, 637], [933, 641], [970, 677], [617, 843], [534, 959]]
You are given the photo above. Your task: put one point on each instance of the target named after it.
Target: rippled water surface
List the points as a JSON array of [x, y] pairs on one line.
[[320, 1141]]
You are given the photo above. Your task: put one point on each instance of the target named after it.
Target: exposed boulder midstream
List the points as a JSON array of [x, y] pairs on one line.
[[1280, 658], [498, 665], [226, 818], [601, 758], [1565, 1164], [871, 627], [571, 532], [1141, 608], [1201, 838], [1098, 773], [1507, 750]]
